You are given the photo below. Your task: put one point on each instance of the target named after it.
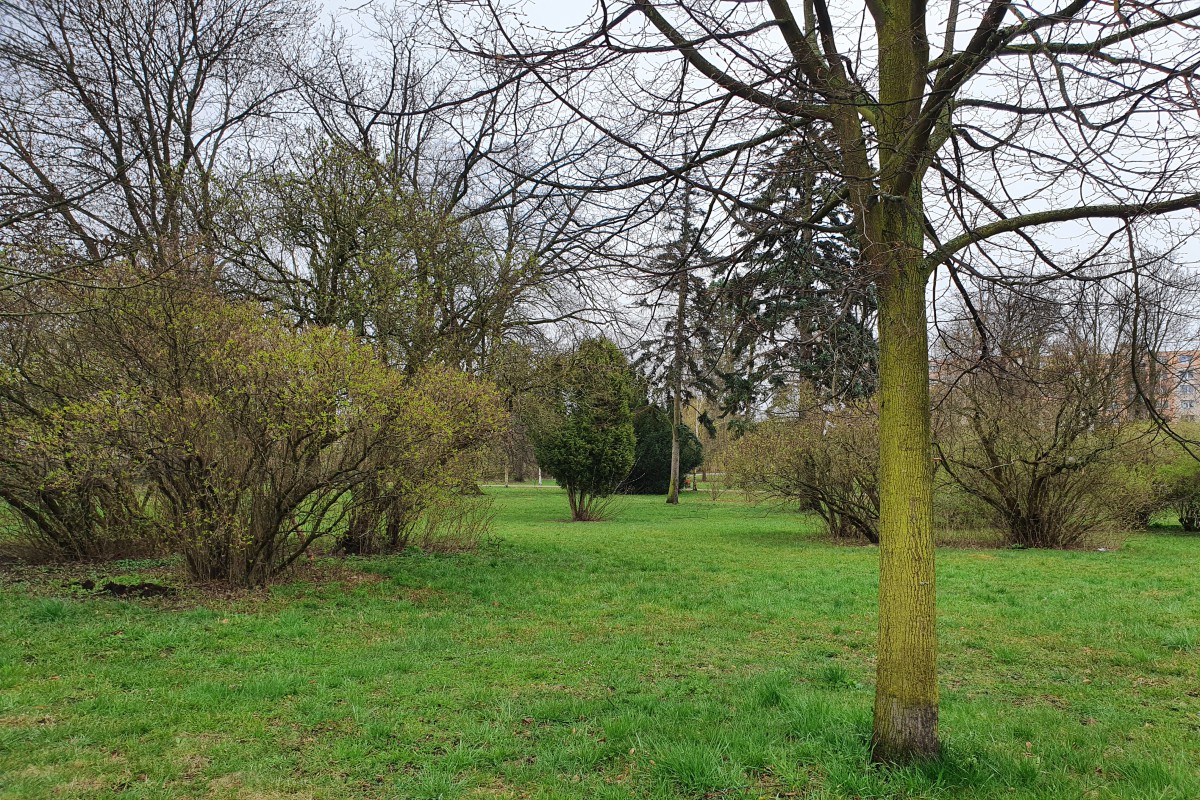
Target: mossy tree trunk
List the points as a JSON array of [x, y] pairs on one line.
[[906, 696]]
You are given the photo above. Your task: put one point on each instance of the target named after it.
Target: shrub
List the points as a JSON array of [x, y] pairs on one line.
[[957, 510], [1048, 479], [1178, 475], [1035, 420], [72, 494], [414, 492], [75, 497], [287, 436], [827, 462], [252, 439], [582, 432], [651, 472]]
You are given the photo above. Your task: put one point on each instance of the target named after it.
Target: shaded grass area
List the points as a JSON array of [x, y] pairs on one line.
[[714, 650]]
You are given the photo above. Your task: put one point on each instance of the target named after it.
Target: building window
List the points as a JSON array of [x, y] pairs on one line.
[[1185, 389], [1188, 404], [1185, 359], [1186, 375]]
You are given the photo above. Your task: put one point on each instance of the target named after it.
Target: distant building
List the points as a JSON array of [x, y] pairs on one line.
[[1170, 381], [1176, 382]]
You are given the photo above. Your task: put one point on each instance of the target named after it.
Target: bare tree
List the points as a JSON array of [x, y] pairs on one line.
[[946, 127], [393, 207], [115, 117]]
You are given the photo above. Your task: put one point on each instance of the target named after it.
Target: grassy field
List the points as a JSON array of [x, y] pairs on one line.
[[715, 650]]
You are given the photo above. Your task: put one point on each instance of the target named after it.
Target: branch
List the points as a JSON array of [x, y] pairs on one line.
[[718, 76], [1125, 211]]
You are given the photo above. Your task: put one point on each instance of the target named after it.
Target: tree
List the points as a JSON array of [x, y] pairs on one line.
[[672, 360], [337, 239], [583, 433], [117, 117], [393, 206], [933, 153], [799, 311], [660, 455]]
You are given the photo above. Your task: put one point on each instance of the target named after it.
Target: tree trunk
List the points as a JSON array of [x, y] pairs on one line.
[[677, 384], [906, 693], [673, 491]]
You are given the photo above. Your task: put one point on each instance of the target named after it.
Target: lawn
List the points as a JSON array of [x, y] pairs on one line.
[[714, 650]]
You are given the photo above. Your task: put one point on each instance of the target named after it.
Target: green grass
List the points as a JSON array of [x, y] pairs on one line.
[[713, 650]]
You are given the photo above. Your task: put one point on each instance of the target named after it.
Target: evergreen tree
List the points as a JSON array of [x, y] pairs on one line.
[[583, 433], [651, 473], [794, 308], [672, 360]]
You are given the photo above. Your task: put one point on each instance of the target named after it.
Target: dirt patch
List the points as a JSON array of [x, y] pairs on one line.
[[144, 589], [163, 584]]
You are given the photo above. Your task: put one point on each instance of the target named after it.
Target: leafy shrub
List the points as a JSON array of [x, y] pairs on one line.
[[72, 494], [414, 493], [1178, 475], [281, 434], [827, 462], [252, 439]]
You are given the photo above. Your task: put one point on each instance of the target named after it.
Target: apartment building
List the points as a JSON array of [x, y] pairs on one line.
[[1177, 386]]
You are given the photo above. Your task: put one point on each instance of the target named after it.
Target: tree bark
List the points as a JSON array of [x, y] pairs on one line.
[[673, 491], [906, 694]]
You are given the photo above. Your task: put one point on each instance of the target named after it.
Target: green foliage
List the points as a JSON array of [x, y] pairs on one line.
[[1178, 477], [651, 473], [583, 431], [249, 440], [827, 462], [797, 309], [73, 494], [428, 454]]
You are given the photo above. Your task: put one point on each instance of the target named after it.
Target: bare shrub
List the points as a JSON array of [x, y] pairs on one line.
[[455, 523], [1039, 428], [827, 462]]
